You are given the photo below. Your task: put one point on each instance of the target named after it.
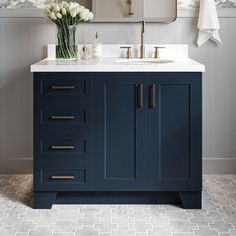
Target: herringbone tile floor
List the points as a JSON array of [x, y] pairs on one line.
[[218, 216]]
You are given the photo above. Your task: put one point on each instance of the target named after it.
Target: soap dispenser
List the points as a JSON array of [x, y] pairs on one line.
[[97, 47]]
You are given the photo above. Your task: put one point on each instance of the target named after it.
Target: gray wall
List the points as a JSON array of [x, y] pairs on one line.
[[23, 40]]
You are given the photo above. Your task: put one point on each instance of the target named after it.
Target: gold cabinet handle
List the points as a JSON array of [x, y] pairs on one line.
[[152, 96], [140, 96], [58, 87], [62, 177], [54, 117], [63, 147]]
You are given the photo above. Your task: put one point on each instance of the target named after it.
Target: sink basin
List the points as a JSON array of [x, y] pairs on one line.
[[143, 61]]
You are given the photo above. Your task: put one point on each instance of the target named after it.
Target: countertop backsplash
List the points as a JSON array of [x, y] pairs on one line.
[[183, 4]]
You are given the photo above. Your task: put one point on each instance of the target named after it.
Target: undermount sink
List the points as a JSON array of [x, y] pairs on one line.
[[143, 61]]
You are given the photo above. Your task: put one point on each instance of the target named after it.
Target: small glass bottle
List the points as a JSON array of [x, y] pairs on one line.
[[85, 53]]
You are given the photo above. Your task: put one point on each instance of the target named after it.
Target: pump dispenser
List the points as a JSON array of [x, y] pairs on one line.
[[97, 47]]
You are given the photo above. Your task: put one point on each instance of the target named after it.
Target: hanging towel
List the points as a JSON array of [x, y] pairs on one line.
[[208, 23]]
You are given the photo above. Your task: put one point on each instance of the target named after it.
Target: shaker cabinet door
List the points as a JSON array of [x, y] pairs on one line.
[[119, 158], [174, 131]]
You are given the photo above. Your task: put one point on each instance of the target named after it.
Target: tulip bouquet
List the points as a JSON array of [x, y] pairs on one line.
[[67, 16]]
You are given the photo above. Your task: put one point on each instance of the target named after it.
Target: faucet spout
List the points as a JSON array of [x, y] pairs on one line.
[[142, 47]]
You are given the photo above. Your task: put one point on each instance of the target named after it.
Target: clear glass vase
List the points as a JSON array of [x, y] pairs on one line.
[[66, 47]]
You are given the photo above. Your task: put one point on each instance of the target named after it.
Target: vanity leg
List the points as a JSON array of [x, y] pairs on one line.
[[44, 200], [191, 200]]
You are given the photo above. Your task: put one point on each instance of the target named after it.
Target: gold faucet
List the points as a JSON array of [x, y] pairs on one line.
[[142, 47]]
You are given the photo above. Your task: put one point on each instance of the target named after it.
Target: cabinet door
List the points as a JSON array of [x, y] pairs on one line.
[[174, 127], [119, 159]]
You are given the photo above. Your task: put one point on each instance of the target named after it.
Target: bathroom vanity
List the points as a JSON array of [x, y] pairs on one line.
[[117, 132]]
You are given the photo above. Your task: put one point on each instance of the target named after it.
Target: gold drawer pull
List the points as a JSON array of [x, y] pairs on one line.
[[57, 87], [62, 117], [62, 177], [65, 147]]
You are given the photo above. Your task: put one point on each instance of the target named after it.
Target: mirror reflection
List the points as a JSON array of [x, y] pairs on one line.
[[132, 10]]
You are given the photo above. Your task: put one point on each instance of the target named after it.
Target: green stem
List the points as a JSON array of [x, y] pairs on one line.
[[66, 40]]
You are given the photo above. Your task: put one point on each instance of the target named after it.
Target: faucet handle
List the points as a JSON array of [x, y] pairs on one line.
[[156, 52], [129, 52]]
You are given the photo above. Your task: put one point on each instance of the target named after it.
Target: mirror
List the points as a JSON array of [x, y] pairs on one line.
[[133, 10], [86, 3]]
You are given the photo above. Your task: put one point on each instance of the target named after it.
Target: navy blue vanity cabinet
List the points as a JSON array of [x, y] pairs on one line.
[[174, 134], [119, 119], [117, 137]]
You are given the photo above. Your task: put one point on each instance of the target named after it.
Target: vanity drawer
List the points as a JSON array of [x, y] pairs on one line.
[[62, 179], [63, 146], [70, 86], [62, 88], [67, 150], [65, 117], [62, 176]]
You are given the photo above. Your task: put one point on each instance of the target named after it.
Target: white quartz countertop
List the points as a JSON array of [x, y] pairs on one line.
[[117, 65]]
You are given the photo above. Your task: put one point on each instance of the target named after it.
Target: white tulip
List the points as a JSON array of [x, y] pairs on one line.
[[71, 6], [79, 9], [59, 15], [73, 13], [52, 5], [63, 11], [84, 14], [56, 8], [76, 5], [56, 11], [64, 4], [53, 16], [91, 15]]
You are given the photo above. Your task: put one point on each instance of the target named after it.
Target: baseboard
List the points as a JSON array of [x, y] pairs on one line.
[[16, 165], [25, 165], [219, 165]]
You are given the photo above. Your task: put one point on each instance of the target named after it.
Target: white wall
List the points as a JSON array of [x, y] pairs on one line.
[[23, 40]]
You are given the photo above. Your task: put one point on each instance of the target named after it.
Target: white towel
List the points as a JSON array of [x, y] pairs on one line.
[[208, 23]]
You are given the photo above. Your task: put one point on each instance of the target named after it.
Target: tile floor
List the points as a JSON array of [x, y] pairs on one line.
[[218, 216]]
